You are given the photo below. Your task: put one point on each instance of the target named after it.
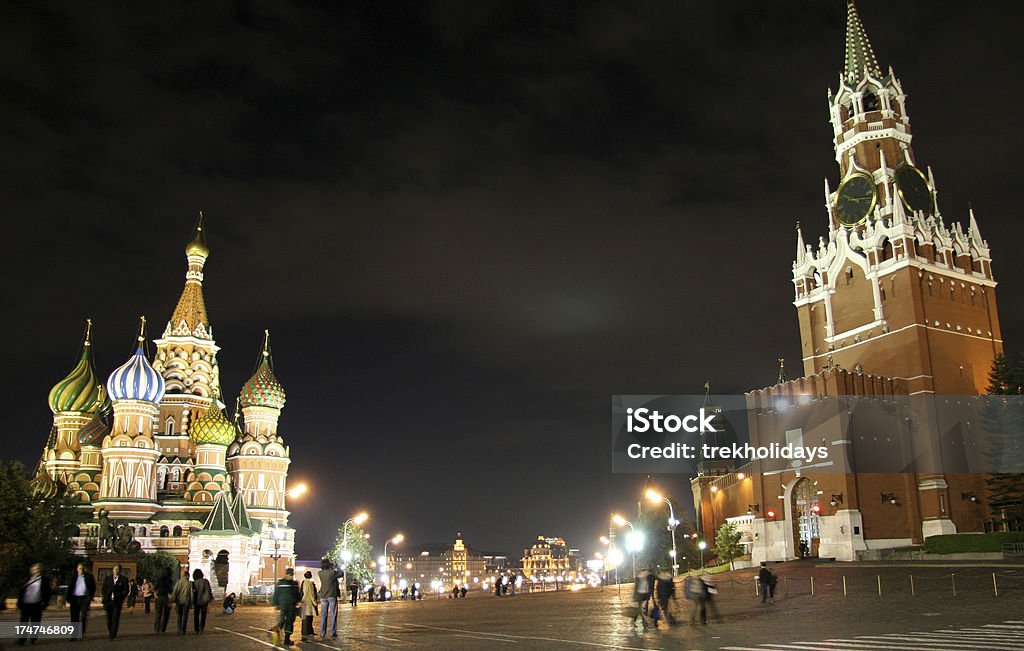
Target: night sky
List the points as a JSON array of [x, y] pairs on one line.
[[466, 225]]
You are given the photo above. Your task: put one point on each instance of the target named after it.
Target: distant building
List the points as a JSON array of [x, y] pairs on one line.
[[437, 566], [550, 556]]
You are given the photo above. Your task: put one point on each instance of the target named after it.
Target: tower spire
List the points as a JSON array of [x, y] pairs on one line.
[[860, 59], [782, 371], [189, 317], [801, 249]]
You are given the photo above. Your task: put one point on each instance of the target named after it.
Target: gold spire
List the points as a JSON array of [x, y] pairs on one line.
[[860, 58], [197, 245], [782, 370], [189, 317]]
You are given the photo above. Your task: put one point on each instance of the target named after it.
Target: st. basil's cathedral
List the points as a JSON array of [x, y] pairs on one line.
[[151, 453]]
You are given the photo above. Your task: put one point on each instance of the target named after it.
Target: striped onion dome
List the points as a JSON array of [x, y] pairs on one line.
[[81, 390], [263, 389], [212, 428], [136, 379], [98, 427], [42, 485]]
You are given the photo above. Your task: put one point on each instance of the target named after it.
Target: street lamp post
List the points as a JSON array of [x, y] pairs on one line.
[[278, 535], [702, 545], [633, 542], [394, 539], [654, 496], [359, 519]]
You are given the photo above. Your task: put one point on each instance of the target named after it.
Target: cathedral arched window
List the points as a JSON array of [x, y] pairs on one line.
[[177, 531], [169, 429], [164, 531]]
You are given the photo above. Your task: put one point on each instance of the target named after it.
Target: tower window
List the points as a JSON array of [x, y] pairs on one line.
[[870, 102]]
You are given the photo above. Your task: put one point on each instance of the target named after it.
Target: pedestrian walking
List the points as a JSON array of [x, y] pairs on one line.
[[147, 593], [133, 595], [286, 599], [34, 597], [81, 591], [202, 595], [641, 594], [766, 582], [650, 591], [309, 607], [665, 592], [710, 605], [329, 593], [182, 598], [162, 589], [115, 590], [695, 592], [353, 588], [803, 549]]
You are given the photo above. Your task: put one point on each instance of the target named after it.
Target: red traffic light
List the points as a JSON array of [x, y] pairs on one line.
[[770, 515], [816, 508]]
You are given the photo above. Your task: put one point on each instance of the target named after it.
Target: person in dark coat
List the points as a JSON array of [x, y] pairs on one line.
[[115, 590], [202, 595], [766, 581], [162, 588], [665, 591], [33, 597], [286, 600], [353, 588], [650, 592], [80, 593], [695, 591]]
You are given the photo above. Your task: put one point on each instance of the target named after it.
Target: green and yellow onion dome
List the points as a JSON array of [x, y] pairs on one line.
[[262, 389], [42, 485], [81, 390], [99, 426], [212, 428]]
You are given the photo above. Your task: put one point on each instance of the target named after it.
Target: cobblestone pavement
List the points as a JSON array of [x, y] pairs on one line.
[[931, 618]]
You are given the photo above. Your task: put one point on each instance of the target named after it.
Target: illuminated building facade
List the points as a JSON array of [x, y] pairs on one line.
[[436, 566], [152, 449], [892, 303]]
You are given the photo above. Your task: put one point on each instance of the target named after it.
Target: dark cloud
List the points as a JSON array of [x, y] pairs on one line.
[[467, 224]]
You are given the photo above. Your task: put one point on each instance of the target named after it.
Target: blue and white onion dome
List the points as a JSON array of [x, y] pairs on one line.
[[136, 379]]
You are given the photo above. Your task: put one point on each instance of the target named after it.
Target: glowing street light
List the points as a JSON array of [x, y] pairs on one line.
[[702, 545], [633, 543], [397, 538], [346, 555], [655, 496], [297, 491]]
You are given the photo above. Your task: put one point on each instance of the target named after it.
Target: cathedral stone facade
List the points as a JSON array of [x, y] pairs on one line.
[[893, 304], [151, 450]]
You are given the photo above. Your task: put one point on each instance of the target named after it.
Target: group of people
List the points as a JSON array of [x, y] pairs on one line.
[[654, 595], [118, 592], [308, 600]]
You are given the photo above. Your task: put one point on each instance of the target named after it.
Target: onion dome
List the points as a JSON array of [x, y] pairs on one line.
[[97, 428], [197, 245], [213, 428], [81, 390], [263, 389], [136, 379], [42, 485]]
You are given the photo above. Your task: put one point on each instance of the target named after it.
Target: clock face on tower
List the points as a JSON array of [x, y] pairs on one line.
[[855, 199], [913, 189]]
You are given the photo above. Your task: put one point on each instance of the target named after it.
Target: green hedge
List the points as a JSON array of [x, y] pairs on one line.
[[972, 542]]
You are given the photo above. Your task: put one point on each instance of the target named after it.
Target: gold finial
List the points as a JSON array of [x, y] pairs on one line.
[[88, 333], [782, 370], [266, 343], [142, 330], [798, 225], [197, 244]]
